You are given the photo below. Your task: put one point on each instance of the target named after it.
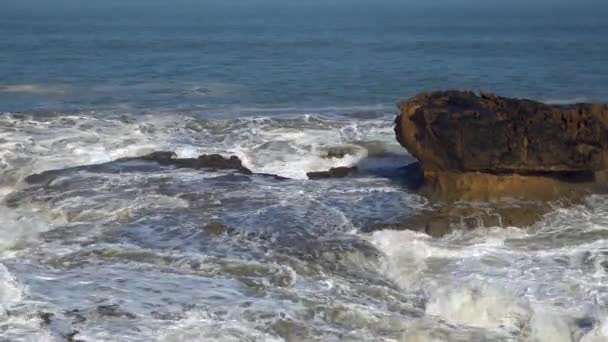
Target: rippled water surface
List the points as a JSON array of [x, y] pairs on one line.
[[130, 250], [123, 251]]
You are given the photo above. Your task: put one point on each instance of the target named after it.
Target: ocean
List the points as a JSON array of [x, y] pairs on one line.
[[123, 253]]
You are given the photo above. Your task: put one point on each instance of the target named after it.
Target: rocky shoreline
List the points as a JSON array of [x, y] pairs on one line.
[[483, 160]]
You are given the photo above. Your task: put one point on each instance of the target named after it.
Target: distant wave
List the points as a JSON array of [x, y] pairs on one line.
[[32, 89], [568, 101]]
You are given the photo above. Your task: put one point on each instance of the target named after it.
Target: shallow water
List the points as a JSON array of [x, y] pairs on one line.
[[120, 252]]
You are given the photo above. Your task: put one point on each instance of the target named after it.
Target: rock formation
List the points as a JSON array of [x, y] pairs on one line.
[[334, 172], [205, 161], [497, 150], [480, 147], [208, 162], [461, 131]]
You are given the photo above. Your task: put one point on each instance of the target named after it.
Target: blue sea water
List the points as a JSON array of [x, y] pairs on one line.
[[187, 53], [129, 250]]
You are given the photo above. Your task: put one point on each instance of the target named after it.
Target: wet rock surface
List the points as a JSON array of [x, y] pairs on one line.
[[113, 311], [463, 131], [205, 161], [445, 218], [485, 147], [211, 162], [479, 186], [216, 228], [46, 317], [334, 172], [482, 148]]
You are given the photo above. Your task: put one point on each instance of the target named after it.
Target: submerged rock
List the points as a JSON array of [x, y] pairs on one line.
[[445, 218], [216, 228], [114, 311], [211, 162], [45, 317]]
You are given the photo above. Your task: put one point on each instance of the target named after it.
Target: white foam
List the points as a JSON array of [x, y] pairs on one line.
[[17, 326], [483, 307], [567, 101], [202, 327], [406, 253], [20, 226], [39, 145], [476, 279], [287, 147], [546, 326], [10, 292], [292, 153], [422, 335], [483, 279]]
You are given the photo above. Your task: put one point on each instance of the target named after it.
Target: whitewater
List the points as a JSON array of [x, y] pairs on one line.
[[122, 254]]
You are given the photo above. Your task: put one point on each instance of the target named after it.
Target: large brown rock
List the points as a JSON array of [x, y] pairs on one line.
[[460, 131], [494, 150]]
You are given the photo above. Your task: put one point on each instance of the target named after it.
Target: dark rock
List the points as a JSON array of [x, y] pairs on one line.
[[39, 177], [160, 156], [71, 337], [46, 317], [166, 316], [270, 175], [217, 161], [77, 315], [113, 310], [211, 161], [335, 172], [461, 131], [215, 228]]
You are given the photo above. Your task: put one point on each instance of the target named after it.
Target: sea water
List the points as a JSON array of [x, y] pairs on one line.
[[121, 254]]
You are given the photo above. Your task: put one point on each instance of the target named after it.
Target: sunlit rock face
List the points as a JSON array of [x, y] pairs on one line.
[[491, 149], [462, 131], [483, 147]]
